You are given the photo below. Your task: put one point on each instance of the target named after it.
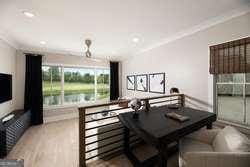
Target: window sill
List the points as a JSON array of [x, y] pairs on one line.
[[73, 105], [242, 127]]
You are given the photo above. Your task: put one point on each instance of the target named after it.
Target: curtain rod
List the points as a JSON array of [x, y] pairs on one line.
[[35, 54]]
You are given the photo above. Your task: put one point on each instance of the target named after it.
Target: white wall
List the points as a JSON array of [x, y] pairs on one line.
[[20, 77], [186, 61], [8, 66]]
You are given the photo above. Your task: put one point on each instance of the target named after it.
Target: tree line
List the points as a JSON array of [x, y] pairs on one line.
[[55, 74]]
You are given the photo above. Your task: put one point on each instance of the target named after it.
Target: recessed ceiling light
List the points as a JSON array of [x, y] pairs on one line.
[[42, 42], [28, 14], [135, 40]]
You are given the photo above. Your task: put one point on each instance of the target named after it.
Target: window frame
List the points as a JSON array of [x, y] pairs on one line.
[[96, 83], [62, 66], [244, 84]]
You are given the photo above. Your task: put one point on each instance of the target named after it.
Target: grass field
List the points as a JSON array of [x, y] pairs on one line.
[[72, 88]]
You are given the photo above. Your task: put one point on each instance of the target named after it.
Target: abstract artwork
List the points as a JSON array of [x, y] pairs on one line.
[[142, 82], [157, 83], [131, 82]]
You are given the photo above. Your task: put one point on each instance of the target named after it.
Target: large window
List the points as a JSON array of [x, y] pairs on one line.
[[52, 87], [233, 97], [79, 85], [68, 85]]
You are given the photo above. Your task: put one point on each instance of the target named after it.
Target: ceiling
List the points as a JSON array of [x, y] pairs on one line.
[[111, 24]]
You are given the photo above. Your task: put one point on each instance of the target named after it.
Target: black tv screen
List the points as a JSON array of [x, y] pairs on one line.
[[5, 87]]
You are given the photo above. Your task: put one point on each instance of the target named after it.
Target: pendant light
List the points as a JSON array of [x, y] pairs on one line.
[[88, 43]]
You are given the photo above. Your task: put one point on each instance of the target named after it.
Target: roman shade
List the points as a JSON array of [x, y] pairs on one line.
[[230, 57]]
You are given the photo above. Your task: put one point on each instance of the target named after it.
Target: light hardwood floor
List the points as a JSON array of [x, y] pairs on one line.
[[56, 145], [49, 145]]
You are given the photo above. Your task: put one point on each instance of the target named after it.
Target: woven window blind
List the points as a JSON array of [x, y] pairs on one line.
[[230, 57]]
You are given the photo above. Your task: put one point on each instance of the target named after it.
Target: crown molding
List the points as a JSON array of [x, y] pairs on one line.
[[202, 26]]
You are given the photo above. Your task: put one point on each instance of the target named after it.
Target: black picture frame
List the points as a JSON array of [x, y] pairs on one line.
[[146, 82], [128, 80], [164, 86]]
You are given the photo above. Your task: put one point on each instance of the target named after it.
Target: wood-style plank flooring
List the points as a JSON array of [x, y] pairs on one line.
[[56, 145]]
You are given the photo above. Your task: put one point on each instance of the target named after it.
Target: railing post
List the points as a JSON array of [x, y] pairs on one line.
[[82, 158], [147, 105], [182, 100]]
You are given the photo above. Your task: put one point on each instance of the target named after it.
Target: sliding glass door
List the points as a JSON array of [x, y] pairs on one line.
[[233, 97]]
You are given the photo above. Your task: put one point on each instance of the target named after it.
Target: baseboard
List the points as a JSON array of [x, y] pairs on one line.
[[58, 114]]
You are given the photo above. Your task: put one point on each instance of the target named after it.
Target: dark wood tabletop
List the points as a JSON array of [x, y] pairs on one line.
[[158, 130]]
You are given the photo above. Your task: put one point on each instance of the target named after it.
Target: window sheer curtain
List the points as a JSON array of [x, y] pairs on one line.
[[33, 88]]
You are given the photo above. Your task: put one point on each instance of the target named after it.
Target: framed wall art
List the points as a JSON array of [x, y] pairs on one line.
[[157, 83], [131, 82], [142, 82]]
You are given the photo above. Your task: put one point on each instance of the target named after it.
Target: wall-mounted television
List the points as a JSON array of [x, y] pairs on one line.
[[5, 87]]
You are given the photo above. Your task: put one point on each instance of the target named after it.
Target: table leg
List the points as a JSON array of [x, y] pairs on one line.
[[210, 126], [133, 159], [126, 140], [163, 156]]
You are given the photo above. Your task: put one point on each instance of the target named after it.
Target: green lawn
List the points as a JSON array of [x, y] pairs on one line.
[[71, 88]]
